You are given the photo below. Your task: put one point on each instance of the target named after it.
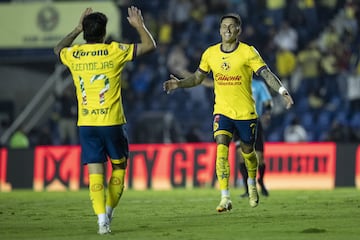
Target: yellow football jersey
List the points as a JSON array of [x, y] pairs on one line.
[[232, 73], [96, 71]]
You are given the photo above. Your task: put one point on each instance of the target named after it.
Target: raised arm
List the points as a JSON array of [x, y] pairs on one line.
[[191, 80], [274, 83], [69, 39], [136, 20]]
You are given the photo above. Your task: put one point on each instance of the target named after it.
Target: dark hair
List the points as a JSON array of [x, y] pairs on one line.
[[94, 27], [234, 16]]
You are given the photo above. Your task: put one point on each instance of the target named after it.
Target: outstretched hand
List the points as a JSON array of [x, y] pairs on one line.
[[288, 99], [171, 84], [84, 14], [135, 17]]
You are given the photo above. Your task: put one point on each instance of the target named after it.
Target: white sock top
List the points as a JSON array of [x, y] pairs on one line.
[[225, 193], [102, 218]]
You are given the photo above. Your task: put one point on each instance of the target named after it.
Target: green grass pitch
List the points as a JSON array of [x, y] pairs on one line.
[[183, 214]]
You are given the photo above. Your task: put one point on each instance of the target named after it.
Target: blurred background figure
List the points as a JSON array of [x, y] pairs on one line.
[[295, 132], [65, 116], [19, 140]]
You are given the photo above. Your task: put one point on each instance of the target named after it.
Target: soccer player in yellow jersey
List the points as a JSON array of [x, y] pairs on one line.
[[96, 70], [232, 64]]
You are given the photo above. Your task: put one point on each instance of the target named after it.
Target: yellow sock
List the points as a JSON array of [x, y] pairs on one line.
[[97, 193], [115, 187], [251, 162], [222, 166]]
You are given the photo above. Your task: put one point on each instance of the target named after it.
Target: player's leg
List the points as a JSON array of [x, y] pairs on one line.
[[97, 194], [115, 187], [261, 170], [117, 147], [259, 147], [243, 171], [223, 171], [242, 166], [247, 133], [223, 135], [92, 155]]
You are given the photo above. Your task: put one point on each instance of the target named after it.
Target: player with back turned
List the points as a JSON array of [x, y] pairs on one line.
[[96, 70], [232, 64]]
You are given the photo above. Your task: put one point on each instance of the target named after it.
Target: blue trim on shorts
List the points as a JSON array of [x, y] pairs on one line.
[[260, 139], [98, 143], [246, 129]]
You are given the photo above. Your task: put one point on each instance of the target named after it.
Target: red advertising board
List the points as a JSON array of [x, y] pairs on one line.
[[300, 165], [57, 168], [168, 166], [4, 185], [164, 166], [357, 167]]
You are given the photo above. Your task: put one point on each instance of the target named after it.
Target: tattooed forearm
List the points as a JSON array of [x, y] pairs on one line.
[[274, 82], [67, 41], [271, 79], [192, 80], [188, 82]]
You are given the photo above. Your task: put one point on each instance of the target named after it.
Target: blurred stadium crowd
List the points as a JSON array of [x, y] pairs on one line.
[[313, 46]]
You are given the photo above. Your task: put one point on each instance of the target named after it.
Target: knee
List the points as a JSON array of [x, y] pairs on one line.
[[119, 164], [223, 139], [246, 148]]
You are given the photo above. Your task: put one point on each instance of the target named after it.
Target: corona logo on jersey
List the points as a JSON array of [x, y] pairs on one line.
[[95, 53]]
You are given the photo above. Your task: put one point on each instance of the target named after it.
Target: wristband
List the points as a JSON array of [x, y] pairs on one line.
[[282, 90]]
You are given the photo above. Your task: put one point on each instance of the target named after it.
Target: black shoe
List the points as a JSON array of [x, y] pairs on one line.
[[244, 195], [264, 191]]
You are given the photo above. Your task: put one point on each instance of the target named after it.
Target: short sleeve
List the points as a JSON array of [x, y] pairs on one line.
[[204, 64], [255, 61], [64, 55]]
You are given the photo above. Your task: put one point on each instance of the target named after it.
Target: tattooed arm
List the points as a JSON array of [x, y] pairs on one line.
[[189, 81], [69, 39], [274, 82]]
